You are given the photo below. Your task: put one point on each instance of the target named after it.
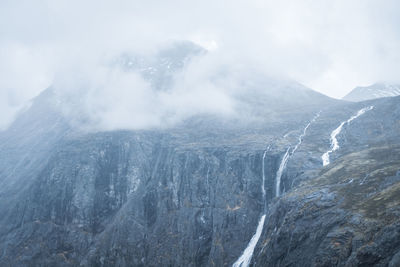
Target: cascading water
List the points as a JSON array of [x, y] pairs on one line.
[[263, 179], [282, 166], [300, 140], [334, 142], [245, 259], [287, 155]]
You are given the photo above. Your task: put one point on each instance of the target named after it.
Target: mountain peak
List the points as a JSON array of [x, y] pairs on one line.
[[376, 90]]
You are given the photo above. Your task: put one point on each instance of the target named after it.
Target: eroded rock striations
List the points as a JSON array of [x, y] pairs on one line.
[[192, 195]]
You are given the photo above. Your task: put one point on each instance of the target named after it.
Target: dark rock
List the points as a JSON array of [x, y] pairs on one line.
[[192, 195]]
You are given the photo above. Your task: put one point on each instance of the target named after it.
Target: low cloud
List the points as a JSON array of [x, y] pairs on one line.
[[109, 97], [330, 46]]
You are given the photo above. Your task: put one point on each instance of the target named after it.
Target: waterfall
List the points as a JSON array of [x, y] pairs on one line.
[[245, 259], [263, 178], [334, 142], [280, 171], [300, 140], [288, 154]]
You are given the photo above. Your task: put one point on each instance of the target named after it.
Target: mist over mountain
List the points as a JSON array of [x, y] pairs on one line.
[[83, 184], [176, 134], [161, 90]]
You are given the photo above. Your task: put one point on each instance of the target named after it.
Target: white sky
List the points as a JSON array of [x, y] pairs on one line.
[[330, 46]]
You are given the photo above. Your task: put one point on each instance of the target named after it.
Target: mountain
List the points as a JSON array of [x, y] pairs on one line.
[[159, 69], [193, 194], [374, 91], [344, 214]]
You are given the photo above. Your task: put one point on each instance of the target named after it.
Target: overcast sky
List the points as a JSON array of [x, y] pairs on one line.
[[330, 46]]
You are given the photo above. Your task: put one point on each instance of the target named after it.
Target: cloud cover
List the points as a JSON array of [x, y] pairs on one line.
[[330, 46]]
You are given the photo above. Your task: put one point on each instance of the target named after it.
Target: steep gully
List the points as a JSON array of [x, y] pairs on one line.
[[245, 259]]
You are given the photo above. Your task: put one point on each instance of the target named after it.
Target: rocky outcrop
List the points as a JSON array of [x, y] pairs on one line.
[[347, 216]]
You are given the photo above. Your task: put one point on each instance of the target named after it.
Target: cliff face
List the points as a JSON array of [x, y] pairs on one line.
[[149, 199], [128, 199], [347, 213], [347, 216], [192, 195]]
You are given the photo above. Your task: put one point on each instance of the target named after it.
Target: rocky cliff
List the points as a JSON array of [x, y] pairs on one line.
[[193, 194]]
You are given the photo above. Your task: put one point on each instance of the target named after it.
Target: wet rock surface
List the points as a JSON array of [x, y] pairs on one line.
[[191, 195], [338, 218]]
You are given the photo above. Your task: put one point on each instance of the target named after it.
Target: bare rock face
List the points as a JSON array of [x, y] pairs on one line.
[[346, 216], [149, 199], [132, 199], [192, 195]]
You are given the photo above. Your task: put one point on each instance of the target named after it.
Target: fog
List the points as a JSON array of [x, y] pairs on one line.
[[329, 46]]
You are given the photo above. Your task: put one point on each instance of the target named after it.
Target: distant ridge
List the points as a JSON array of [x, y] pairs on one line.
[[374, 91]]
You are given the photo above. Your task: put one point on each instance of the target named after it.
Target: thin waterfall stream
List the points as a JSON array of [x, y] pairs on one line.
[[334, 142], [245, 259]]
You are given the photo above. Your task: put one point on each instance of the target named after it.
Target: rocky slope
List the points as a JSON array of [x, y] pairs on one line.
[[175, 197], [346, 216], [192, 195]]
